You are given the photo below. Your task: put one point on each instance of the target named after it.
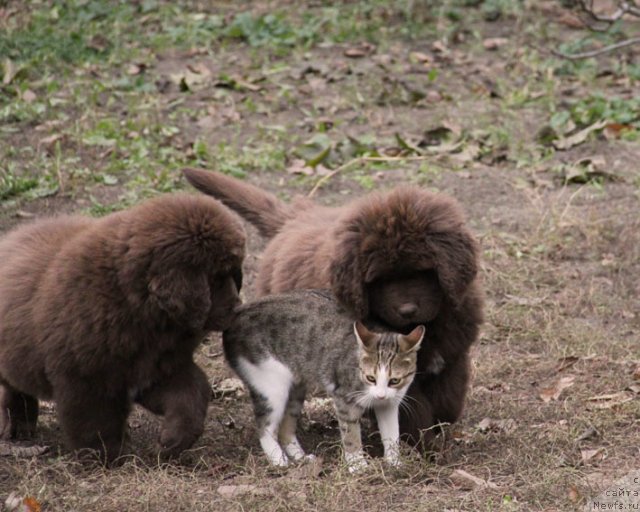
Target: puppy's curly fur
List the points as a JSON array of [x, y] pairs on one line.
[[97, 313], [396, 259]]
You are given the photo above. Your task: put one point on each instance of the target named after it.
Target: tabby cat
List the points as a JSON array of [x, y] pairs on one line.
[[283, 345]]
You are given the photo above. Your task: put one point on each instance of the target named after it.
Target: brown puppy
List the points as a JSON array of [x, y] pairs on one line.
[[398, 259], [96, 313]]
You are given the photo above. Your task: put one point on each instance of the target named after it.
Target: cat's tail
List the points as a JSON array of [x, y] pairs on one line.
[[262, 209]]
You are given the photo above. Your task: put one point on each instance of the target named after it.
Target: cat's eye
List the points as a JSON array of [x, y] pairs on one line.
[[371, 379], [394, 382]]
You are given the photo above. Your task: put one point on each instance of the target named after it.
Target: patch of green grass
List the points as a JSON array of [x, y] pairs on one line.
[[12, 186], [66, 32], [623, 112]]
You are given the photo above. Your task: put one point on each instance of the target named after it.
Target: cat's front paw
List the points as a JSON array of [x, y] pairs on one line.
[[355, 462]]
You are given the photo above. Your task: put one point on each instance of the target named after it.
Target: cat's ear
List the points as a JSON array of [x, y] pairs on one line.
[[411, 342], [366, 338]]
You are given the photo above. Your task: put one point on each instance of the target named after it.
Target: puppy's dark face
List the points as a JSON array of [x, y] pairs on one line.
[[405, 300], [225, 288], [197, 299]]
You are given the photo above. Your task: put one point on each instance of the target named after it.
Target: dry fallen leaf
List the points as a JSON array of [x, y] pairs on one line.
[[31, 504], [488, 424], [29, 96], [357, 52], [615, 130], [10, 71], [636, 373], [592, 455], [423, 58], [233, 491], [7, 448], [493, 43], [299, 166], [440, 47], [554, 391], [465, 480], [578, 137], [227, 387], [574, 495]]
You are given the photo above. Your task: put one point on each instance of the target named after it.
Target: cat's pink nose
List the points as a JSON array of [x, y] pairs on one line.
[[381, 394]]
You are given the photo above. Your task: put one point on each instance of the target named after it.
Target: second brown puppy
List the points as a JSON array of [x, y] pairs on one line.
[[395, 259]]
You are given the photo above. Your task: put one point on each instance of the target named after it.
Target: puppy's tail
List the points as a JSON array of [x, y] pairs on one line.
[[262, 209]]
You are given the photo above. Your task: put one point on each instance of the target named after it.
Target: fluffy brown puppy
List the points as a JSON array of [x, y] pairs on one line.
[[395, 259], [97, 313]]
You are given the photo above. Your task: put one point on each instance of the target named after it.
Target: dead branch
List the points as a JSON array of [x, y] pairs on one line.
[[599, 51], [602, 23]]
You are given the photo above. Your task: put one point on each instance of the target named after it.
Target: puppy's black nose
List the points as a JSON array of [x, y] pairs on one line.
[[407, 310]]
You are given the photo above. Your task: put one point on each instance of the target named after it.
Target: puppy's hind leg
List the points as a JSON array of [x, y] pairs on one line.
[[92, 418], [182, 398], [18, 413]]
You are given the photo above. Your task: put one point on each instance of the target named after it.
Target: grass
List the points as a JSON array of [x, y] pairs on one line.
[[101, 106]]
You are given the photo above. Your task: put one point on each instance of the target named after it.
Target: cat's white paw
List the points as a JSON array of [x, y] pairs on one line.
[[309, 458], [280, 462], [355, 462], [272, 450], [294, 450]]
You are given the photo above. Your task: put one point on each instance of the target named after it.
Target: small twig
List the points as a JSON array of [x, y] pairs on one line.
[[361, 159], [595, 53]]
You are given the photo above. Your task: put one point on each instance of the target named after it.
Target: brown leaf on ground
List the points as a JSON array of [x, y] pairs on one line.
[[10, 71], [574, 495], [465, 480], [554, 391], [233, 491], [493, 43], [299, 166], [440, 47], [228, 387], [590, 456], [357, 52], [487, 424], [31, 504], [578, 137], [422, 58], [13, 450], [615, 130], [29, 96]]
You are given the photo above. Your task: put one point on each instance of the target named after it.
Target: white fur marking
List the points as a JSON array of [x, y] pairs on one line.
[[436, 365], [272, 380]]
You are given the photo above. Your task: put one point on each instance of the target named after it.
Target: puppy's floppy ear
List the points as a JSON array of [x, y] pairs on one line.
[[183, 294], [456, 262], [347, 275]]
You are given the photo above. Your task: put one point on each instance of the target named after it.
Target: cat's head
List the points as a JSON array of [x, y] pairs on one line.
[[387, 361]]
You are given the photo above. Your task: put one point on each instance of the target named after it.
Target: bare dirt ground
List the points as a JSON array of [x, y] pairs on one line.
[[102, 104]]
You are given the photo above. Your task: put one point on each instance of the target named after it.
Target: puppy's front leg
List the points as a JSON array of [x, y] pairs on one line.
[[182, 398]]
